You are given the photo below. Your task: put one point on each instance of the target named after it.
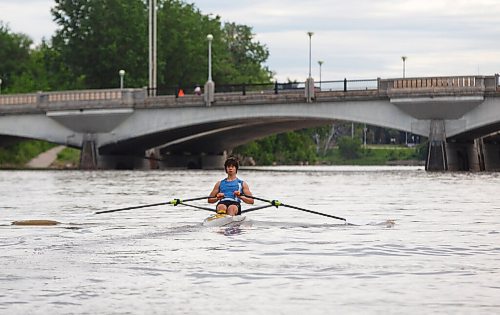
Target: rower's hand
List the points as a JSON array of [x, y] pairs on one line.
[[220, 195], [237, 193]]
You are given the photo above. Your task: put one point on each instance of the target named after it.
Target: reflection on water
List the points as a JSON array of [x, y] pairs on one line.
[[440, 256]]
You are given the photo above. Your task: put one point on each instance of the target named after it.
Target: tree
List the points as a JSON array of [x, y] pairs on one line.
[[349, 148], [14, 55], [97, 38], [247, 55], [45, 71], [283, 148]]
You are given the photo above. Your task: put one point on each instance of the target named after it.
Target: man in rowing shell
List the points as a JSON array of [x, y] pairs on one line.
[[229, 191]]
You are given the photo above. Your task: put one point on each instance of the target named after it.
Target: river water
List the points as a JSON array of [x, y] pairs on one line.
[[441, 257]]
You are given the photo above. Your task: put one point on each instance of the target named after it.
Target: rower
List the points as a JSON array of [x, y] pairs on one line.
[[230, 191]]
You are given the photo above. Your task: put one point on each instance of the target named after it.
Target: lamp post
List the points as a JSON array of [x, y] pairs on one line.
[[310, 40], [309, 88], [404, 65], [210, 85], [210, 37], [122, 74], [320, 63], [152, 47]]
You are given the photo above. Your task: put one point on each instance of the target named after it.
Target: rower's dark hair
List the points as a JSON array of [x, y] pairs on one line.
[[231, 161]]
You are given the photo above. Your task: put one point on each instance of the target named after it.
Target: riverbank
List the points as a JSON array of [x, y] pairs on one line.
[[41, 155]]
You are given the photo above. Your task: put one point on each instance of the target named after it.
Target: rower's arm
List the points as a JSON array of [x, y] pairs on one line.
[[246, 192], [214, 193]]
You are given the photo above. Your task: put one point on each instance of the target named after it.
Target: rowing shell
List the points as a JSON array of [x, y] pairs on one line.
[[219, 220]]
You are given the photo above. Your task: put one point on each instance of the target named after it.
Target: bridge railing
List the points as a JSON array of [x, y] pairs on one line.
[[271, 87], [18, 99], [445, 83], [81, 99], [347, 85], [438, 82], [86, 99], [84, 95]]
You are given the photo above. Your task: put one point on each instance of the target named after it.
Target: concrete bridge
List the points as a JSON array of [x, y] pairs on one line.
[[116, 128]]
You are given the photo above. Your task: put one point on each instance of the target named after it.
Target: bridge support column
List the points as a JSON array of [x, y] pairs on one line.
[[309, 90], [491, 153], [209, 92], [436, 156], [88, 155], [463, 157]]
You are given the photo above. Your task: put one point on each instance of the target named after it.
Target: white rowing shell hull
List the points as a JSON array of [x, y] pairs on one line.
[[217, 220]]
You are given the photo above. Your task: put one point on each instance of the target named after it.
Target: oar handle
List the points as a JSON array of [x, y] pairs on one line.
[[275, 203], [178, 201]]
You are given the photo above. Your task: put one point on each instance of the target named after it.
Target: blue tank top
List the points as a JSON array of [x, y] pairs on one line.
[[229, 187]]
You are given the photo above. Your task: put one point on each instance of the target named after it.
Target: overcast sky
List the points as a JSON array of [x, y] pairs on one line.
[[356, 39]]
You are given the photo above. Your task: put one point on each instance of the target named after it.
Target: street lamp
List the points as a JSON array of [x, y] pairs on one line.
[[210, 37], [152, 29], [310, 36], [309, 87], [122, 74], [210, 85], [404, 65], [320, 63]]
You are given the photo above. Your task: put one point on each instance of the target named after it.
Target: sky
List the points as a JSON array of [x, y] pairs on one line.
[[355, 39]]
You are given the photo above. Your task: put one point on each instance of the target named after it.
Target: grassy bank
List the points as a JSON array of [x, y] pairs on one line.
[[67, 158], [18, 154], [376, 155]]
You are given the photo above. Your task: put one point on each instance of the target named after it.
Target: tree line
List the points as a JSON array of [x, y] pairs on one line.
[[95, 39]]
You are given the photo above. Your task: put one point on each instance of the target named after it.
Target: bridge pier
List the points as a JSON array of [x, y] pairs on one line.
[[464, 157], [491, 154], [436, 156], [88, 155]]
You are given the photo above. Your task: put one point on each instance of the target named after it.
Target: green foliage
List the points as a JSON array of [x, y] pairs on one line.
[[421, 151], [97, 38], [69, 155], [284, 148], [67, 158], [22, 152], [14, 56], [350, 148], [373, 155], [45, 72]]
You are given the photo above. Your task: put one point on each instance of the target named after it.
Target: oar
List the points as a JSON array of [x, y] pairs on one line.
[[135, 207], [197, 207], [255, 208], [277, 203], [174, 202]]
